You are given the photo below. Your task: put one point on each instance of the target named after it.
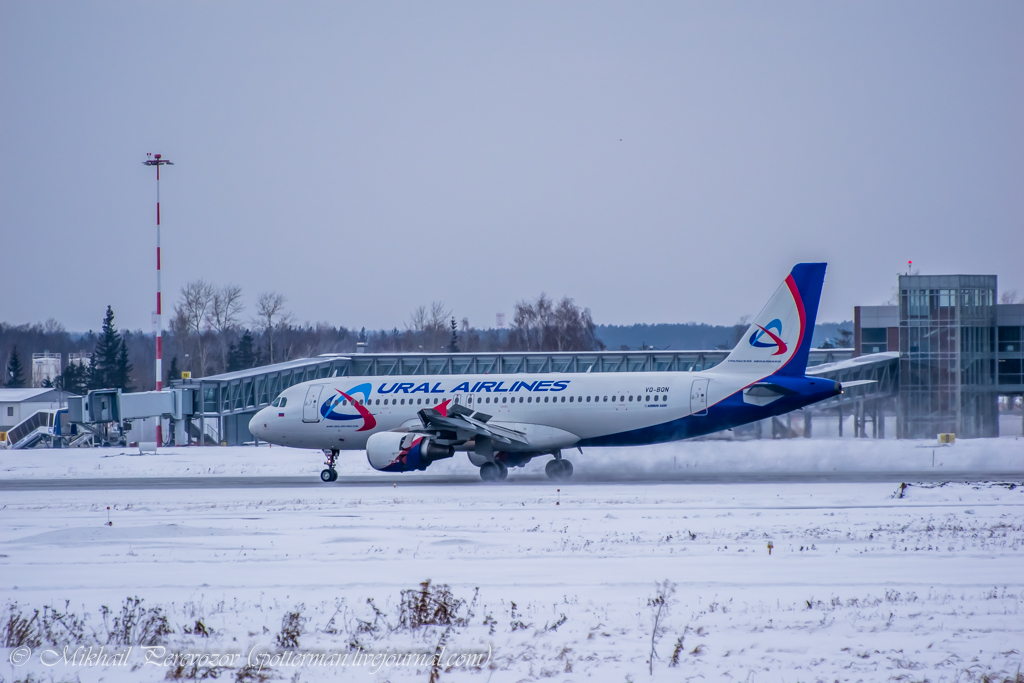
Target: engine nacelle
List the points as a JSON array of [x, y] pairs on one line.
[[403, 452]]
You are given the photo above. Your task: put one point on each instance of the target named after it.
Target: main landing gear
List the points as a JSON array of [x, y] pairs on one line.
[[330, 474], [493, 471], [558, 469]]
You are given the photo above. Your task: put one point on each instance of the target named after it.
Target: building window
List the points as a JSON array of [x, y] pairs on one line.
[[1010, 339], [10, 411]]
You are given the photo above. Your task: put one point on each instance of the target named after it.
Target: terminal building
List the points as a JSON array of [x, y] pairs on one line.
[[960, 353]]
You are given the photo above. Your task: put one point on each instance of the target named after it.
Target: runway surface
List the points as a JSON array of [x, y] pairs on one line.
[[389, 480]]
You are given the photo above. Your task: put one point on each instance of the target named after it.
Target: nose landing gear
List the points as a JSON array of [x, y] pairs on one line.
[[330, 474]]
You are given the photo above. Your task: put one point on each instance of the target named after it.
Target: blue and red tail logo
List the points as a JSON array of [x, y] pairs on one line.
[[346, 401], [775, 339]]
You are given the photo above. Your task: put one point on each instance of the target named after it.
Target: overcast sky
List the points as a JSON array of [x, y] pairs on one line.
[[658, 162]]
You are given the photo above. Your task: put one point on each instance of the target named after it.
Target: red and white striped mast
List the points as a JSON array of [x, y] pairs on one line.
[[158, 161]]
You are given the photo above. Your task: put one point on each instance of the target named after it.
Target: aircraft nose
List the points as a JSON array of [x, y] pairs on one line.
[[259, 423]]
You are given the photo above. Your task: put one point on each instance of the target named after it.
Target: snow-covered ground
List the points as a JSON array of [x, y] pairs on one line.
[[792, 455], [558, 579]]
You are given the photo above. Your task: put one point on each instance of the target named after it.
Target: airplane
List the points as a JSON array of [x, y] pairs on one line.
[[406, 423]]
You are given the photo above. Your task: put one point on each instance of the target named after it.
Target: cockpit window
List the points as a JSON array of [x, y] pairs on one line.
[[280, 402]]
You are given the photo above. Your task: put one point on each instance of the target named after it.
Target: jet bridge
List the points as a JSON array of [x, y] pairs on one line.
[[869, 402]]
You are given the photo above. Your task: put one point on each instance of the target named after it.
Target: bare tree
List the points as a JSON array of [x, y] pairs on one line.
[[52, 326], [223, 318], [545, 326], [192, 309], [418, 319], [225, 308], [1008, 297], [271, 315], [430, 325]]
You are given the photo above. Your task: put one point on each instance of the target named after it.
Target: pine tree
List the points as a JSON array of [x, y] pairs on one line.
[[453, 345], [74, 379], [122, 367], [103, 372], [243, 355], [233, 363], [246, 352], [15, 373]]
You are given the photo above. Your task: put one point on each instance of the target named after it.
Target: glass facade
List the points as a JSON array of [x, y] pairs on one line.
[[1010, 369], [948, 356], [874, 340]]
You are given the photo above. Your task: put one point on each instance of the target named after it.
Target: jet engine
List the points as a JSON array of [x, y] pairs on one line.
[[403, 452]]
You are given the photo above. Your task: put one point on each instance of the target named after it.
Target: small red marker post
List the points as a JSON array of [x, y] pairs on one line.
[[559, 500], [109, 523]]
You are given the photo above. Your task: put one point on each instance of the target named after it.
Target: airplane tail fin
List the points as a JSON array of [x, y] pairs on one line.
[[779, 339]]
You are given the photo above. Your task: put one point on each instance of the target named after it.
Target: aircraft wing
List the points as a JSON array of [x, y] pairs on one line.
[[458, 423]]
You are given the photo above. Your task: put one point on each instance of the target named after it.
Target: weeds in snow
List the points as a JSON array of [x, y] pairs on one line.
[[21, 630], [291, 629], [433, 605], [660, 607], [135, 625]]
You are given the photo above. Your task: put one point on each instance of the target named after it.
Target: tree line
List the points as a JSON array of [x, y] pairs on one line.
[[209, 333], [109, 366]]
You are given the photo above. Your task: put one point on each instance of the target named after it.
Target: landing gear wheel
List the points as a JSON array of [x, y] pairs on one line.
[[502, 471], [490, 471], [559, 470], [330, 474]]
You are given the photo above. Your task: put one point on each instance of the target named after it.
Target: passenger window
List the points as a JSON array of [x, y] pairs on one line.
[[570, 399], [588, 399], [648, 398], [419, 401], [630, 399], [529, 399], [605, 399]]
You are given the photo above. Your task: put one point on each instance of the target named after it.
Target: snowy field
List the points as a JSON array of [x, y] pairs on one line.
[[711, 456], [865, 581]]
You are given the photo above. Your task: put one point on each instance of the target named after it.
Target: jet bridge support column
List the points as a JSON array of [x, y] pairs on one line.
[[202, 415]]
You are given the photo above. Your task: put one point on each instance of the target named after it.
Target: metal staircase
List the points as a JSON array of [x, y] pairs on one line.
[[32, 430]]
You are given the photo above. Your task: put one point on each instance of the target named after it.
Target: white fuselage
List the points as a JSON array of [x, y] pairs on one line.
[[554, 410]]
